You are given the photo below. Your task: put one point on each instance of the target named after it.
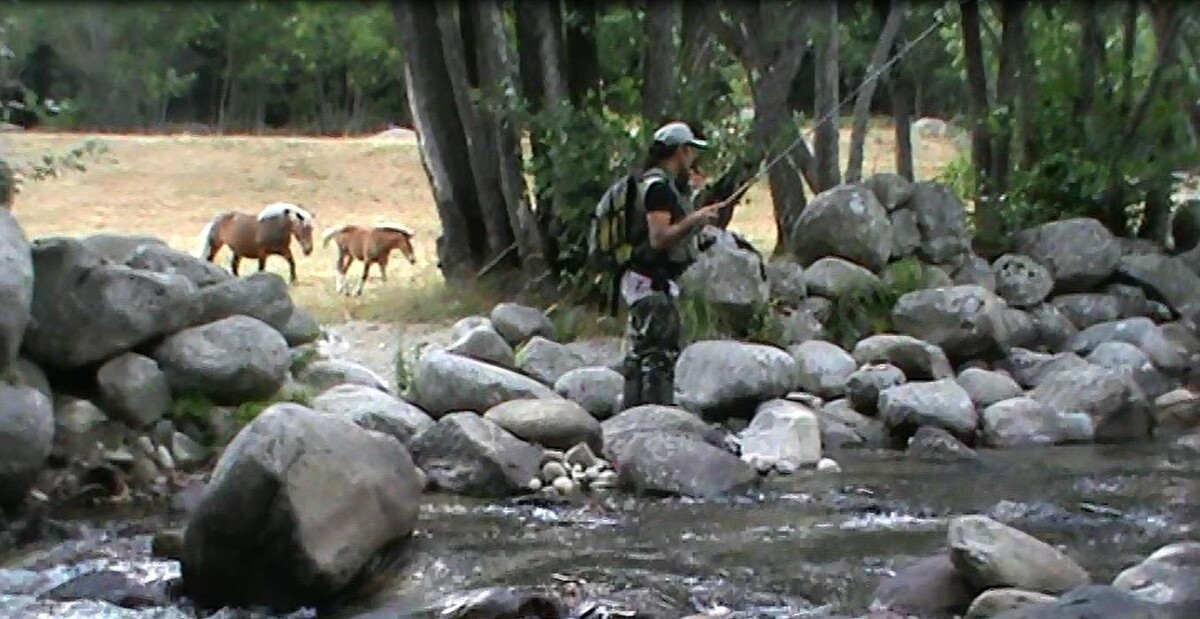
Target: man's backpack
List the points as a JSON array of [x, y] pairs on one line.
[[618, 226]]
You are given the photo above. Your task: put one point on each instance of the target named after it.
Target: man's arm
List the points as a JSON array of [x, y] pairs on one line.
[[663, 234]]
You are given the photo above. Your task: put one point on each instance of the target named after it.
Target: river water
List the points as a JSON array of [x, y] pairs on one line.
[[811, 545]]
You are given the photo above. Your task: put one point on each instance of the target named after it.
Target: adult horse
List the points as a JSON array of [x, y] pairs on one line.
[[255, 238], [372, 246]]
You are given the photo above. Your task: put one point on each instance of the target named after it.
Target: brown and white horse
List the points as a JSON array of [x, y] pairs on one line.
[[372, 246], [255, 238]]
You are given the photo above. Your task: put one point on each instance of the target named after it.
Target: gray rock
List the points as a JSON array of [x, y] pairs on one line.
[[484, 344], [783, 430], [986, 388], [1126, 356], [78, 426], [1054, 329], [555, 424], [1116, 405], [188, 454], [597, 390], [863, 386], [470, 323], [994, 602], [942, 404], [620, 430], [28, 373], [799, 326], [935, 445], [230, 361], [86, 310], [16, 287], [300, 507], [1165, 277], [891, 189], [942, 219], [118, 248], [673, 464], [1019, 422], [1088, 309], [1170, 575], [975, 271], [372, 409], [846, 221], [26, 437], [1016, 327], [962, 320], [822, 368], [301, 328], [720, 376], [466, 454], [326, 373], [159, 258], [547, 361], [517, 323], [134, 389], [263, 295], [930, 587], [786, 281], [990, 554], [1031, 369], [919, 360], [1093, 602], [1131, 300], [1141, 332], [839, 417], [445, 382], [729, 279], [831, 277], [906, 236], [1079, 253], [1021, 281], [1176, 412]]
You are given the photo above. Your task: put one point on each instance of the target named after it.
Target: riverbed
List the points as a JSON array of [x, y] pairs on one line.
[[812, 545]]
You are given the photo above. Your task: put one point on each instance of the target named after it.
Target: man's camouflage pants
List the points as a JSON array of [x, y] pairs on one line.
[[653, 334]]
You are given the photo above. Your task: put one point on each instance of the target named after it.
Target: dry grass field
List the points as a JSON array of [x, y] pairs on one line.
[[170, 186]]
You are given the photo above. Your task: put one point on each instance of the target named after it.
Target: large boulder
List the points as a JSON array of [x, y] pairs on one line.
[[822, 368], [941, 404], [919, 360], [372, 409], [942, 219], [466, 454], [1096, 602], [86, 310], [659, 463], [134, 389], [482, 342], [300, 508], [16, 288], [1086, 309], [864, 385], [1079, 252], [1118, 408], [846, 221], [729, 279], [230, 361], [598, 390], [323, 374], [891, 189], [975, 271], [786, 281], [831, 277], [906, 234], [990, 554], [1150, 338], [445, 382], [962, 320], [1166, 278], [1019, 422], [935, 445], [517, 323], [118, 248], [1031, 369], [994, 602], [986, 388], [162, 259], [783, 431], [1054, 329], [26, 437], [929, 587], [720, 377], [1021, 281], [620, 430], [1170, 575], [1127, 357], [262, 295], [301, 328], [547, 360], [555, 424]]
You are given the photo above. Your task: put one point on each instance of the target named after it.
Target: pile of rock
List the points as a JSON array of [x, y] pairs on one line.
[[992, 570], [115, 353]]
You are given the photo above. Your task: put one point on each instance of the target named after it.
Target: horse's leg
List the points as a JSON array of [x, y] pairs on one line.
[[383, 262], [363, 281], [234, 260], [262, 264], [339, 271], [291, 264]]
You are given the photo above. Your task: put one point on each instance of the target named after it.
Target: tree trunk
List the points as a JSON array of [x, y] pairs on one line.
[[1012, 39], [480, 150], [462, 247], [826, 133], [468, 31], [583, 59], [499, 76], [546, 19], [1093, 55], [901, 94], [987, 216], [660, 58], [862, 105]]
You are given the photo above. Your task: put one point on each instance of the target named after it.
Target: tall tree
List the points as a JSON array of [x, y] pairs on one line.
[[826, 133], [660, 58], [862, 104]]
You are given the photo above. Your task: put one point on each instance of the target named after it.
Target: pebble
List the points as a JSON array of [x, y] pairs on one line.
[[606, 479], [534, 485], [580, 455], [829, 465], [564, 485], [163, 458], [553, 455], [552, 471], [786, 467], [146, 445]]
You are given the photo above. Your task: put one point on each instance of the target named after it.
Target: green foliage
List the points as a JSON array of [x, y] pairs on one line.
[[191, 408], [406, 366], [54, 165], [863, 311], [701, 320]]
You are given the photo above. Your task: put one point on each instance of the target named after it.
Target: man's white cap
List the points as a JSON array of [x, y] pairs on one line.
[[676, 134]]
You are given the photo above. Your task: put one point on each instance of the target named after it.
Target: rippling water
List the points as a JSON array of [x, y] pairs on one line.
[[807, 546]]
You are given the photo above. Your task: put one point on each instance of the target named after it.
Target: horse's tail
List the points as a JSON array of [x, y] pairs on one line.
[[329, 234], [209, 235]]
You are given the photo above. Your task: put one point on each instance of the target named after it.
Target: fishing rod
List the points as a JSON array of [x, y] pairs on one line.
[[867, 79]]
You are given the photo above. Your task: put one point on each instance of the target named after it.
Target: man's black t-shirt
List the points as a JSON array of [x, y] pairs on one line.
[[660, 196]]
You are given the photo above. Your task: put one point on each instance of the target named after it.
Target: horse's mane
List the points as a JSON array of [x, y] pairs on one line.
[[278, 209], [333, 231], [402, 229]]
